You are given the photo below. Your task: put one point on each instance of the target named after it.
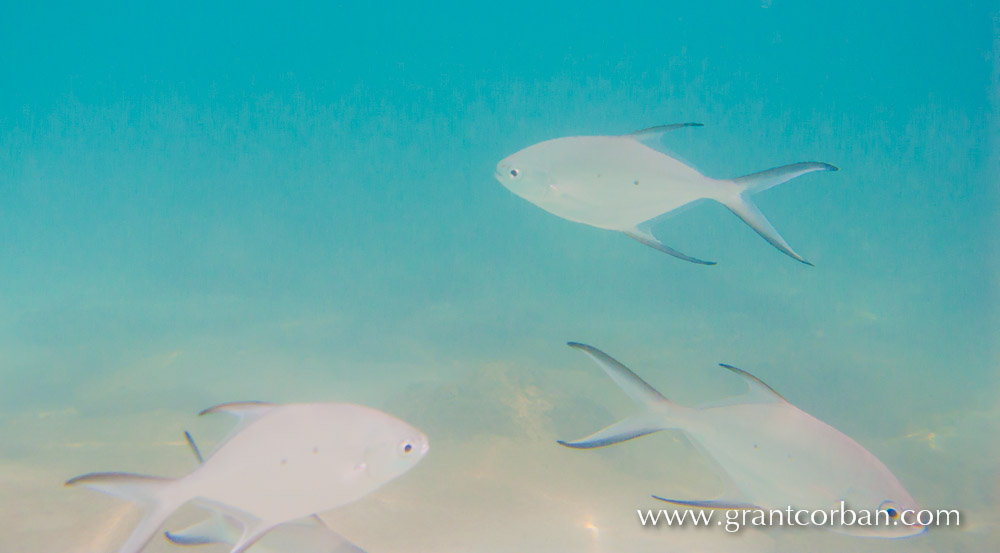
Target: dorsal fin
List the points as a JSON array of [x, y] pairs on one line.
[[653, 132], [241, 409], [759, 390], [246, 411]]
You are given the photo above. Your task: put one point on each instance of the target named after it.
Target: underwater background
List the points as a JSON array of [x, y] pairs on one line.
[[201, 204]]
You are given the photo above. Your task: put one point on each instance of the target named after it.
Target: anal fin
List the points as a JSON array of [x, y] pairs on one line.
[[647, 238], [225, 528], [309, 535], [211, 530], [251, 535], [710, 504]]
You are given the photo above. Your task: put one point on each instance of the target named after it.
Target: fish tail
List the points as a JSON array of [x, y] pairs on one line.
[[154, 494], [744, 208], [655, 416]]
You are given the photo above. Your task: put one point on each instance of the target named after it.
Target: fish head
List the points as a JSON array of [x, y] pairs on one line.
[[895, 511], [396, 449], [527, 173]]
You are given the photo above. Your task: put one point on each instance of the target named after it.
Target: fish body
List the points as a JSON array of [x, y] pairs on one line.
[[301, 472], [783, 456], [282, 463], [620, 183], [776, 455], [585, 187]]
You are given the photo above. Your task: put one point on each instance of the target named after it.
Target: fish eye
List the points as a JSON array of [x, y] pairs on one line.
[[890, 509], [406, 447], [514, 173]]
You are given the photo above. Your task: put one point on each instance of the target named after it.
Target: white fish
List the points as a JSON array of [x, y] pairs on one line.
[[310, 535], [776, 455], [282, 463], [619, 183]]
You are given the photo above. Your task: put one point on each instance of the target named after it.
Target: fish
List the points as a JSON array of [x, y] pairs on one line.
[[310, 535], [281, 463], [775, 455], [621, 183]]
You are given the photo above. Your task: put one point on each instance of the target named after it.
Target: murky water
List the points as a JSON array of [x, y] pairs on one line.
[[299, 205]]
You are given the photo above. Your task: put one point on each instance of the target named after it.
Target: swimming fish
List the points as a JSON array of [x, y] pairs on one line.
[[280, 464], [310, 535], [776, 455], [620, 183]]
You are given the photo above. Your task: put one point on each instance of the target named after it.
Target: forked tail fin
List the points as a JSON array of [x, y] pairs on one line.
[[759, 182], [650, 420], [744, 208], [150, 492]]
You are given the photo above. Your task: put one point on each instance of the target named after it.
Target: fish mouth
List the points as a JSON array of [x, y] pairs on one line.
[[904, 530], [917, 528], [502, 173]]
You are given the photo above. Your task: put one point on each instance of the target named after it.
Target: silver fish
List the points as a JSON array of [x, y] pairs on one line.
[[776, 455], [620, 183], [282, 463]]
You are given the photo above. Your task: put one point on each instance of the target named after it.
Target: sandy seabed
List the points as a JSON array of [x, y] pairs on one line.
[[494, 481]]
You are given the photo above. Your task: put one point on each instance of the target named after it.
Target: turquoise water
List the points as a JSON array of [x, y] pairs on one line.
[[298, 204]]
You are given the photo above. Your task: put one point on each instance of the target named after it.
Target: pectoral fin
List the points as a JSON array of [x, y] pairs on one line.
[[194, 447]]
